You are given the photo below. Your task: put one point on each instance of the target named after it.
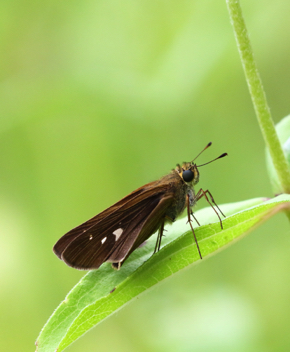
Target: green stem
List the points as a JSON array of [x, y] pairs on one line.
[[258, 95]]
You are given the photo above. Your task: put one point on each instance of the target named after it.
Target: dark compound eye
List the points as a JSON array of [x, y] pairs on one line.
[[187, 175]]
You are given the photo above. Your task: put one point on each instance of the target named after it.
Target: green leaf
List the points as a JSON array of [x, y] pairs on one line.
[[102, 292], [283, 131]]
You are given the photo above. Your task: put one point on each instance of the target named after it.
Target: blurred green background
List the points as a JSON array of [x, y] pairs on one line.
[[100, 97]]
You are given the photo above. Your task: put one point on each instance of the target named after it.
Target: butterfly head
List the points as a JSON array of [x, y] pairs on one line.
[[189, 173]]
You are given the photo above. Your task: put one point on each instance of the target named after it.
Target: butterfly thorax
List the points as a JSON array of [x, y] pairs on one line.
[[180, 190]]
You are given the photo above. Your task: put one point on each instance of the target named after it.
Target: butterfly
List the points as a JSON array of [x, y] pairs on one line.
[[116, 232]]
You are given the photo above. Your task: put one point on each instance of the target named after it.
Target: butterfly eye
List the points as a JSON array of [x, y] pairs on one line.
[[187, 175]]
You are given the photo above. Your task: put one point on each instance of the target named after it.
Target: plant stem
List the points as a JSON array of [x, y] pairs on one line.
[[258, 95]]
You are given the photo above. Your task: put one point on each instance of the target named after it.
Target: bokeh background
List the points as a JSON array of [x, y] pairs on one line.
[[100, 97]]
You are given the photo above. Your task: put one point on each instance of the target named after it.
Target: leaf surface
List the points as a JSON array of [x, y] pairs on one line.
[[102, 292]]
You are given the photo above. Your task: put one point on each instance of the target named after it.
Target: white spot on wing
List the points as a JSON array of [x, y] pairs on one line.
[[104, 240], [91, 237], [118, 233]]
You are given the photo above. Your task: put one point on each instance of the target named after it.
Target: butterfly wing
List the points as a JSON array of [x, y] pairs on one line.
[[111, 234], [149, 225], [108, 213]]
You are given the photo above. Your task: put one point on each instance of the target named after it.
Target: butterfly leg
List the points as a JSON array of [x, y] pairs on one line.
[[159, 237], [201, 193], [191, 213], [189, 220]]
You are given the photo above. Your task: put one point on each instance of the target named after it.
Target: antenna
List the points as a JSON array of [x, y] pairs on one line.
[[221, 156], [208, 145]]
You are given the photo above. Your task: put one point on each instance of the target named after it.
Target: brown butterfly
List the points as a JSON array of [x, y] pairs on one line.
[[115, 233]]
